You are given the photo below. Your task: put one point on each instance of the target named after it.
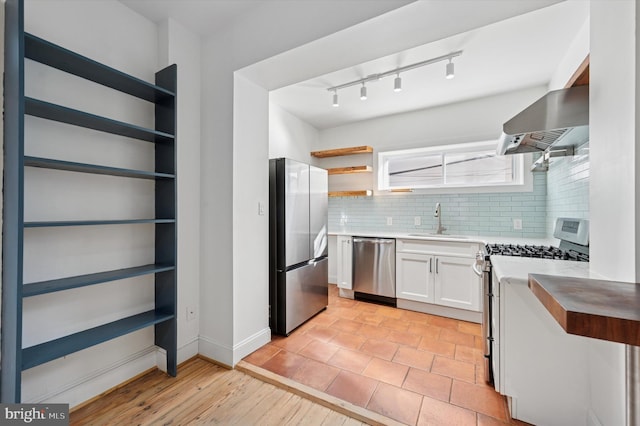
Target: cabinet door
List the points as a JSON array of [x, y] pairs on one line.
[[414, 277], [344, 262], [456, 284]]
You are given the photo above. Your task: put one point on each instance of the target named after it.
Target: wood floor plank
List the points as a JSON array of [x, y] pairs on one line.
[[316, 415], [129, 397], [214, 394], [301, 412], [158, 405], [284, 413], [147, 402], [204, 393], [197, 397], [152, 382], [256, 415], [334, 419], [238, 404]]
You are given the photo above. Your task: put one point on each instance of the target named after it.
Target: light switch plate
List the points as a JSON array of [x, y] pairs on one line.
[[517, 224], [389, 220]]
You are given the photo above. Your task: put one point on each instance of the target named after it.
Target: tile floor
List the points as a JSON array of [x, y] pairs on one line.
[[416, 368]]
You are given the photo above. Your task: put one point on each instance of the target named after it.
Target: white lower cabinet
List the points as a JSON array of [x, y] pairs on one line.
[[414, 277], [344, 254], [456, 284], [439, 273]]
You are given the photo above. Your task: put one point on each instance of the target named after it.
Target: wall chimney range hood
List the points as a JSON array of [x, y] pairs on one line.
[[559, 119]]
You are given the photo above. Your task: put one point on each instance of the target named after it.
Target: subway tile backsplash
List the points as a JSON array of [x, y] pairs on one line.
[[561, 192], [568, 187], [467, 214]]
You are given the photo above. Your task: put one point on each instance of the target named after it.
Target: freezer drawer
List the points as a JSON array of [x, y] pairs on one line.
[[374, 266], [304, 291]]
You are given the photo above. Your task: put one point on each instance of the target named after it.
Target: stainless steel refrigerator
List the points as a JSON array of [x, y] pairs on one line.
[[298, 276]]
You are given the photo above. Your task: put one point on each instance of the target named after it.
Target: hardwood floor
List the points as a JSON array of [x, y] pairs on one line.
[[205, 393]]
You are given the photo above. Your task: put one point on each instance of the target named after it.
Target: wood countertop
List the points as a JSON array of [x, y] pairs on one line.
[[606, 310]]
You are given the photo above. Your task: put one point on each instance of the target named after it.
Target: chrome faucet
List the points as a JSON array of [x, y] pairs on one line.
[[437, 213]]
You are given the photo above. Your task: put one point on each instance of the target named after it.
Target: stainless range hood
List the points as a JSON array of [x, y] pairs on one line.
[[559, 119]]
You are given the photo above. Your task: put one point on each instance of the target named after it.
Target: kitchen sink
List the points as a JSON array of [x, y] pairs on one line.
[[433, 235]]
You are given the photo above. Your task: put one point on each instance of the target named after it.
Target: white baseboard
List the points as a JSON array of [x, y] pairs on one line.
[[188, 350], [99, 381], [250, 344], [217, 351], [110, 376], [228, 355]]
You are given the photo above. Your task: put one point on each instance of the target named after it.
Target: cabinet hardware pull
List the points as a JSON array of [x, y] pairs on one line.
[[436, 266], [430, 259]]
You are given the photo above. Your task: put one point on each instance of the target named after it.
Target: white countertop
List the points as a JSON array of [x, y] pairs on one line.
[[516, 270], [481, 239]]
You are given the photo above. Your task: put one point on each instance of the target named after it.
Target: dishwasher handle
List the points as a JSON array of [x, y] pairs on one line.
[[373, 240]]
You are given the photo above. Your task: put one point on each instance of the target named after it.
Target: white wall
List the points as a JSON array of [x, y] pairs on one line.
[[235, 178], [289, 136], [470, 121], [179, 46], [613, 198], [250, 218], [107, 29]]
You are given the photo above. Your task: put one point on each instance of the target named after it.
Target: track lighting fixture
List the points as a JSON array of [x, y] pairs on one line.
[[397, 82], [450, 73], [363, 92]]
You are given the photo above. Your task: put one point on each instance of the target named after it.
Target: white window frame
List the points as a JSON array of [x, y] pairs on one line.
[[523, 182]]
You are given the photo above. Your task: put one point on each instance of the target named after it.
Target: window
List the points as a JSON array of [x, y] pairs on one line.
[[458, 166]]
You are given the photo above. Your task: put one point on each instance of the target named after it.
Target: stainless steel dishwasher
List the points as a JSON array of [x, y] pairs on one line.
[[374, 269]]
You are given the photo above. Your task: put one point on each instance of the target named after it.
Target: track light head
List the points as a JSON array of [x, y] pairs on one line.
[[397, 84], [363, 92], [335, 99], [450, 72]]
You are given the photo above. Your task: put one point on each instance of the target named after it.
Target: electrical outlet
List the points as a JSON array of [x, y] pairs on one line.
[[260, 208], [417, 221], [191, 313], [389, 220], [517, 224]]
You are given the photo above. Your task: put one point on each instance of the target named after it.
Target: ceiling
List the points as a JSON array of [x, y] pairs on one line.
[[512, 54]]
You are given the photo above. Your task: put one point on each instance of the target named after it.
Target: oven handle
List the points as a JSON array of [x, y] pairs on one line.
[[476, 270], [477, 265]]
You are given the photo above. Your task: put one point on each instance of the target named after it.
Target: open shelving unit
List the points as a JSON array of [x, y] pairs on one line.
[[18, 46], [339, 152]]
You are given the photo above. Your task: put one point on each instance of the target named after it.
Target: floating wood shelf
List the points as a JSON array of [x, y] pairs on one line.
[[364, 193], [606, 310], [349, 170], [342, 151]]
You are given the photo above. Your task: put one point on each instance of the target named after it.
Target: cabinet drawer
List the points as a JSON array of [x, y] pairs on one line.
[[449, 248]]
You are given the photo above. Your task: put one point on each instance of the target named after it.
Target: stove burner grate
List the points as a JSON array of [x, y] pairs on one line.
[[543, 252]]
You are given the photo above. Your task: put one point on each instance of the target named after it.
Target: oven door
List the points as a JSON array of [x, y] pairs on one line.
[[482, 268]]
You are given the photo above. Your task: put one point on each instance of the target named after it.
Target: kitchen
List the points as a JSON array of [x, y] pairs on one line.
[[249, 316], [563, 191]]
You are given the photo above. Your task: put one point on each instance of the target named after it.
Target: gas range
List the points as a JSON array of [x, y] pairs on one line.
[[574, 245], [542, 252]]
